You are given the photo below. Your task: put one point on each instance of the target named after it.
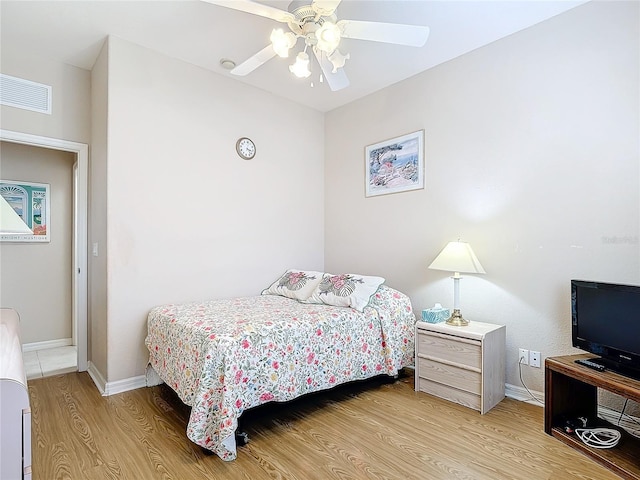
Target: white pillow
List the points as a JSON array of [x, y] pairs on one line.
[[346, 290], [296, 284]]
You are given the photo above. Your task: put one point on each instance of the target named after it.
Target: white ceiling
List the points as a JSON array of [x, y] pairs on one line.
[[201, 33]]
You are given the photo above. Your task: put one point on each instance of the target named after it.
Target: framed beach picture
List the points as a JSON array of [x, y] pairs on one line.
[[395, 165], [26, 211]]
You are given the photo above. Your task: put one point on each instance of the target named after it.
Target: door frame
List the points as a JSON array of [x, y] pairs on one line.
[[80, 231]]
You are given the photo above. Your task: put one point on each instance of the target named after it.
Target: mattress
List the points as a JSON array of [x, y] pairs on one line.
[[224, 356]]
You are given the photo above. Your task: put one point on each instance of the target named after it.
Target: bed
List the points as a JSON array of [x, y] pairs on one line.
[[222, 357]]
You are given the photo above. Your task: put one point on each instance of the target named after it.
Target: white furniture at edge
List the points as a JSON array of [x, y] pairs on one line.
[[461, 364], [15, 413]]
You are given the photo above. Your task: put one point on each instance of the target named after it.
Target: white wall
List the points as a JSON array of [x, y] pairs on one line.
[[36, 277], [531, 152], [71, 87], [532, 156], [97, 341], [187, 219], [70, 121]]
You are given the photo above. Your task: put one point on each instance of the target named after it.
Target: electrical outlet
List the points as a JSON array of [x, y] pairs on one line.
[[523, 356], [534, 359]]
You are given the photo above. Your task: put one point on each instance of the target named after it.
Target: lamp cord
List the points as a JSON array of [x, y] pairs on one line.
[[522, 381], [599, 437], [624, 407], [541, 403]]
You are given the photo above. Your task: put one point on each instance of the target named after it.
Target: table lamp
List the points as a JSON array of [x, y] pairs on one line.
[[457, 257]]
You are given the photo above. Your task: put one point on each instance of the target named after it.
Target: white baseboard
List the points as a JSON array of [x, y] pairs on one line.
[[151, 378], [97, 377], [521, 394], [111, 388], [61, 342]]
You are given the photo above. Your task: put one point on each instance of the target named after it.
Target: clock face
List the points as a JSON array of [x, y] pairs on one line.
[[246, 148]]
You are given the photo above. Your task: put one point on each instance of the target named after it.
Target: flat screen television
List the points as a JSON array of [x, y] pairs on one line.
[[605, 321]]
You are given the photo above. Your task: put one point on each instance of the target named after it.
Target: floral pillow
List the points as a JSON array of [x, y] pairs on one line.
[[346, 290], [296, 284]]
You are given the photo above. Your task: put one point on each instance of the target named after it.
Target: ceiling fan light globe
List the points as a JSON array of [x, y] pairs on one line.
[[328, 37], [338, 59], [282, 42], [301, 68]]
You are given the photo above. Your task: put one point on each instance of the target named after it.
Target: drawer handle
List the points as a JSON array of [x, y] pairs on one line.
[[451, 338]]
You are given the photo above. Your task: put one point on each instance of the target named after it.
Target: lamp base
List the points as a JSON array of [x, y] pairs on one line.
[[456, 319]]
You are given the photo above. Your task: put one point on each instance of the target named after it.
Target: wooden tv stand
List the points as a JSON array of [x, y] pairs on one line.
[[571, 391]]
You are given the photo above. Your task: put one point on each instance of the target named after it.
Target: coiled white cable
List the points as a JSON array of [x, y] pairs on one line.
[[599, 437]]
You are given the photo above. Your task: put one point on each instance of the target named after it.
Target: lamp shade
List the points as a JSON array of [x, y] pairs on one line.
[[328, 37], [301, 67], [457, 257], [10, 221], [282, 42]]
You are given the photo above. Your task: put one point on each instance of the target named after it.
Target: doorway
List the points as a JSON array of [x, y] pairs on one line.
[[80, 231]]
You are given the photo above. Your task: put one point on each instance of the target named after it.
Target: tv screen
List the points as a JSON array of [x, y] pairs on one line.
[[605, 321]]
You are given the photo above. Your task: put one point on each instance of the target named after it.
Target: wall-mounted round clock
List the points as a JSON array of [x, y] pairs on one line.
[[246, 148]]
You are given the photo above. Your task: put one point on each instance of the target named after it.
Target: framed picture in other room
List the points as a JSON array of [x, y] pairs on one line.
[[25, 211]]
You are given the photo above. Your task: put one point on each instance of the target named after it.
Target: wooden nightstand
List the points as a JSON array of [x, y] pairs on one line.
[[461, 364]]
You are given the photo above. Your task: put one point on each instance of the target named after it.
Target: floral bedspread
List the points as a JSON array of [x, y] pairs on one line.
[[224, 356]]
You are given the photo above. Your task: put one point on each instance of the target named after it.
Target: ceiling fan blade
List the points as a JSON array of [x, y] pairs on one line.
[[250, 64], [255, 8], [325, 7], [337, 81], [410, 35]]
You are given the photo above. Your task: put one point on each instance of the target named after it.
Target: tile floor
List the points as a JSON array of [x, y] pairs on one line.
[[52, 361]]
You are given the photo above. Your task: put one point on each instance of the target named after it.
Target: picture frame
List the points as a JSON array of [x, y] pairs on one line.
[[395, 165], [31, 204]]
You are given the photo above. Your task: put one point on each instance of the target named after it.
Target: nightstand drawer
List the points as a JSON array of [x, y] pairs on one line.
[[461, 351], [461, 364], [461, 378], [449, 393]]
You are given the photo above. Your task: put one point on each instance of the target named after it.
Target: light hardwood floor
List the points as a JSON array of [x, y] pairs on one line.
[[369, 430]]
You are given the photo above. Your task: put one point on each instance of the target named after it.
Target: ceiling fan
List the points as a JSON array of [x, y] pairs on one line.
[[318, 25]]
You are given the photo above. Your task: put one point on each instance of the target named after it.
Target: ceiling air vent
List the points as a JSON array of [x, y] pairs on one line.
[[25, 94]]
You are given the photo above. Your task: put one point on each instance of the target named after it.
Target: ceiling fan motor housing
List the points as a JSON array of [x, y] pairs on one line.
[[307, 22], [315, 21]]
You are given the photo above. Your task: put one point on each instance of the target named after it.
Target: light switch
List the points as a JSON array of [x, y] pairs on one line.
[[95, 249]]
